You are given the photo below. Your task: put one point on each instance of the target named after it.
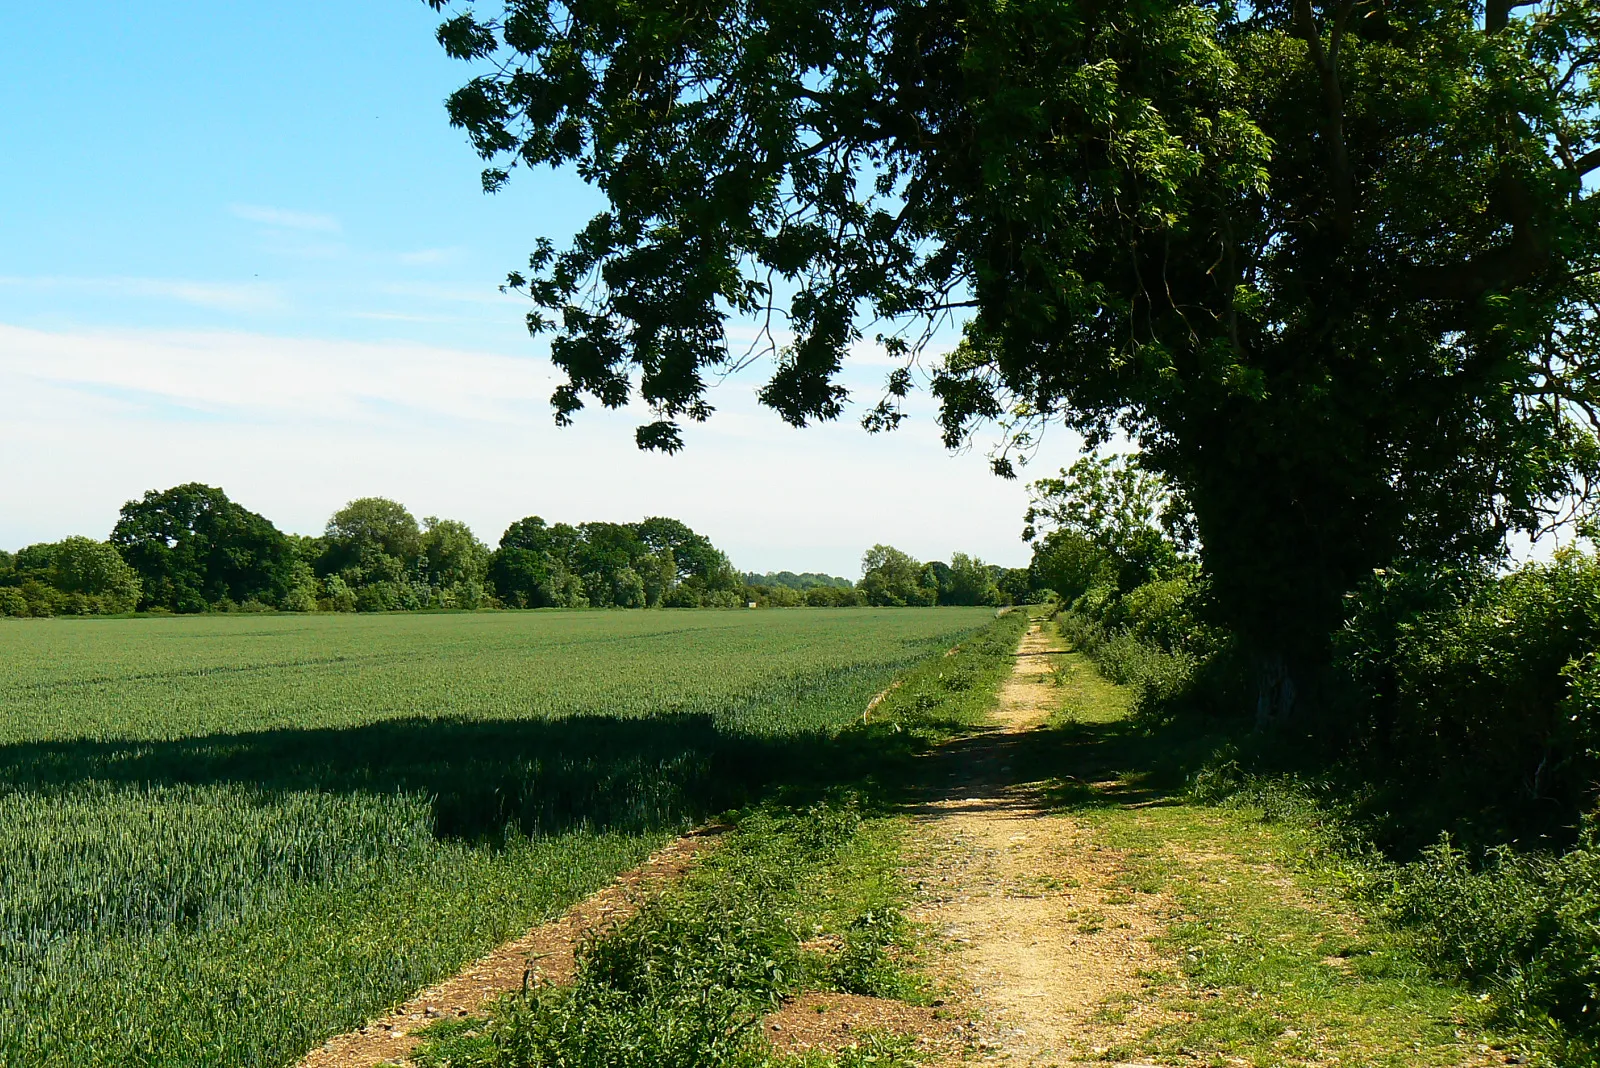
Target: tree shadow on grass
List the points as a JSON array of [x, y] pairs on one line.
[[1073, 766], [597, 773]]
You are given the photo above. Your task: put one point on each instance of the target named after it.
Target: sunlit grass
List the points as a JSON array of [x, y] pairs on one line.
[[1266, 961], [223, 839]]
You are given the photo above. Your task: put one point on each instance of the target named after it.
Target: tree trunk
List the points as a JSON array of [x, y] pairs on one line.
[[1277, 698]]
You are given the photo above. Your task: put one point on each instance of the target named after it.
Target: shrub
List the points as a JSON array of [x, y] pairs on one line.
[[377, 597], [41, 598], [12, 603], [776, 596], [74, 604], [1526, 926], [1481, 694], [337, 595], [1149, 638], [1157, 677], [300, 599]]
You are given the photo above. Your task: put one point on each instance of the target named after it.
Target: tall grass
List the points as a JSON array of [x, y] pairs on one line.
[[224, 839]]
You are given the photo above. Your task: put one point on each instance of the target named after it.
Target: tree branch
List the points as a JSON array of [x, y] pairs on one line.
[[1519, 260], [1497, 15], [1327, 66]]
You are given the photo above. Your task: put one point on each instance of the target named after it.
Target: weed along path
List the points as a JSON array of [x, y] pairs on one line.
[[1081, 906], [1035, 932], [546, 952]]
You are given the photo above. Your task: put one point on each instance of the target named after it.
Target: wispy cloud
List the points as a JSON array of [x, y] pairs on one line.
[[403, 317], [426, 256], [285, 218], [222, 296], [486, 294], [293, 427], [256, 378]]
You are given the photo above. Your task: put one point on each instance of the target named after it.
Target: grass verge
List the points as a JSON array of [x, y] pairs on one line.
[[793, 901], [1269, 960]]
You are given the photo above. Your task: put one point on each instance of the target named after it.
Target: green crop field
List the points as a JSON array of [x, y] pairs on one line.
[[225, 838]]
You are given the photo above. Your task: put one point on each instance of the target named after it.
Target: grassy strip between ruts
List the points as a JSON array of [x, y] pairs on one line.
[[804, 895], [1271, 961], [685, 982]]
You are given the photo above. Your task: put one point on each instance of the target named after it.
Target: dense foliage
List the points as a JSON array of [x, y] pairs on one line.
[[890, 577], [227, 838], [657, 562], [806, 580], [1478, 696], [193, 547], [77, 576]]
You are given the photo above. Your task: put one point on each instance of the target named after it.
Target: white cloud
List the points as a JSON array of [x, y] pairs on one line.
[[256, 378], [294, 427], [222, 296], [285, 218]]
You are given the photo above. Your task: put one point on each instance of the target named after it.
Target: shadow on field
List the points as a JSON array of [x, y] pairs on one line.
[[538, 776]]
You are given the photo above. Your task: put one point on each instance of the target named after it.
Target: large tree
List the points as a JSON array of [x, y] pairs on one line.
[[372, 539], [893, 578], [192, 547], [1331, 263]]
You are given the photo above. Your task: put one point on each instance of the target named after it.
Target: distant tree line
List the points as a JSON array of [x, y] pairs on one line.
[[192, 549], [806, 580]]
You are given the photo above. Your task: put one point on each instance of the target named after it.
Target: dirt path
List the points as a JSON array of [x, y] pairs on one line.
[[548, 949], [1038, 939]]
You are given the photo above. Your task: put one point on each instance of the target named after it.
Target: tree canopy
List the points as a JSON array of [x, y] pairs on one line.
[[1105, 519], [1332, 265], [192, 547], [968, 580], [657, 561], [892, 578]]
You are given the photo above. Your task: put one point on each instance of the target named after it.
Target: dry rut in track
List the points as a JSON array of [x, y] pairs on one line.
[[1037, 938], [547, 949]]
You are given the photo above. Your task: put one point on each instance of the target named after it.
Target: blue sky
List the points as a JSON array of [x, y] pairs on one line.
[[240, 244]]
